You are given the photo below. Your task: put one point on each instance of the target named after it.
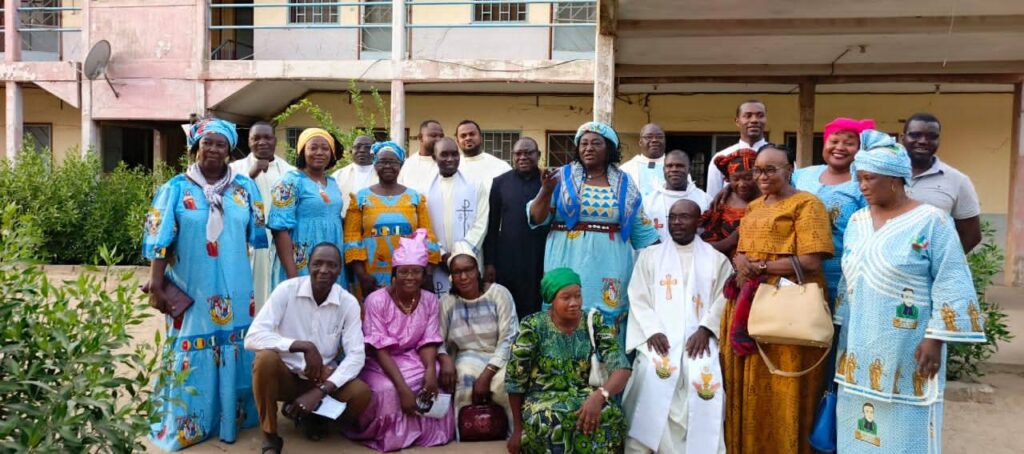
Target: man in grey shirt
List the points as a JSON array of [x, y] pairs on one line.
[[938, 184]]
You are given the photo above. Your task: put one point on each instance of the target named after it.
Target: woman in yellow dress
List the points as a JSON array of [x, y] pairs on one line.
[[767, 413]]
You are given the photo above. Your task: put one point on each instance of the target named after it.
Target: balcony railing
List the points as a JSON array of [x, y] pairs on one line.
[[41, 25]]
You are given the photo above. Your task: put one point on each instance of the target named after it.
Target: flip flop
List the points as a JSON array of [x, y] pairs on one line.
[[272, 446]]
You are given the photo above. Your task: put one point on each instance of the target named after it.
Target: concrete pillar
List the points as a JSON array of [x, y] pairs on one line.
[[90, 140], [1014, 275], [14, 126], [398, 41], [805, 130], [604, 79]]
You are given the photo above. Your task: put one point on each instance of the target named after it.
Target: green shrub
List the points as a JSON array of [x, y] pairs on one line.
[[964, 359], [71, 379]]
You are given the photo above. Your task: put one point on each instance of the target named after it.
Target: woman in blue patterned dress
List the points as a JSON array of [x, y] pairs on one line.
[[906, 291], [597, 222], [306, 208], [197, 235], [833, 184]]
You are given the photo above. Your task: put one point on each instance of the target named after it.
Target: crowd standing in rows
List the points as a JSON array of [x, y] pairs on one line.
[[590, 307]]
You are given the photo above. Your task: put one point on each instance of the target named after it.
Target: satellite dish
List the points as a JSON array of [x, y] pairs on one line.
[[96, 64]]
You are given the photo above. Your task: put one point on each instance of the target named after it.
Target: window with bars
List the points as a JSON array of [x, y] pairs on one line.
[[499, 143], [291, 136], [311, 14], [500, 12], [376, 40], [574, 39], [41, 135], [561, 149], [40, 41]]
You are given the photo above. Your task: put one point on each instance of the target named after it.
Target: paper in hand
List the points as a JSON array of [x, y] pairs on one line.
[[440, 408], [330, 408]]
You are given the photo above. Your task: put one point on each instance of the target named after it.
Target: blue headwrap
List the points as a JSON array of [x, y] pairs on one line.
[[595, 126], [881, 154], [211, 125], [388, 146]]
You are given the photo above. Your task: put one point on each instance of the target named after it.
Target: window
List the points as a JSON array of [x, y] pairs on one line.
[[561, 149], [376, 42], [291, 137], [40, 41], [499, 143], [40, 134], [566, 41], [311, 14], [500, 12]]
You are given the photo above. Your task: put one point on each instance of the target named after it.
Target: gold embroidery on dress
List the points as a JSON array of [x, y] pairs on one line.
[[918, 380], [841, 364], [972, 311], [896, 381], [875, 371], [851, 368], [949, 317]]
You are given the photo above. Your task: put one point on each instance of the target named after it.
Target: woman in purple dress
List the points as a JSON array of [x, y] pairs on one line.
[[402, 333]]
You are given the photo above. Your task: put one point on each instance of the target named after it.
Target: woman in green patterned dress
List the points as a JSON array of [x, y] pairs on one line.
[[554, 409]]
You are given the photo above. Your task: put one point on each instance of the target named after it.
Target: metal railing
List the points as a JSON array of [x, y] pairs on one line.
[[31, 28]]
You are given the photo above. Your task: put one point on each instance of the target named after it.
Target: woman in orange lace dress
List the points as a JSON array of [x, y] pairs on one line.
[[721, 221]]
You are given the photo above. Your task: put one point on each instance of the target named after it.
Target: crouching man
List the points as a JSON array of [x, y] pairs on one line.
[[297, 336]]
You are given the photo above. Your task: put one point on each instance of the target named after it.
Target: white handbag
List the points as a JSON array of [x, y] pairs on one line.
[[597, 372]]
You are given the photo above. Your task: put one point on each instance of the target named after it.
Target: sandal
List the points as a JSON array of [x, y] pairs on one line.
[[313, 427], [270, 446]]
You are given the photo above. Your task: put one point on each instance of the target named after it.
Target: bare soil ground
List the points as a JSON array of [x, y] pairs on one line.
[[968, 427]]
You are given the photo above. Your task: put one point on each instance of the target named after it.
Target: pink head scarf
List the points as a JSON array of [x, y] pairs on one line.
[[848, 124], [411, 251]]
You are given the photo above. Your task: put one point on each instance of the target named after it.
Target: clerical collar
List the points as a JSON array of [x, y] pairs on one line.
[[683, 247], [529, 175]]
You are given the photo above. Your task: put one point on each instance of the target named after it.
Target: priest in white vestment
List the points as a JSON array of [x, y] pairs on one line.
[[265, 169], [677, 186], [477, 164], [359, 174], [419, 169], [459, 208], [647, 167], [674, 402]]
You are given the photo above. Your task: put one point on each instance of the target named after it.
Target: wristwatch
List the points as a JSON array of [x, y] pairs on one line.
[[762, 266], [604, 393], [323, 388]]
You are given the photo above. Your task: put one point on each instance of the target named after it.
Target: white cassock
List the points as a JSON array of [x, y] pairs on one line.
[[647, 173], [458, 212], [674, 290], [262, 259], [418, 172], [484, 168], [352, 179], [658, 202]]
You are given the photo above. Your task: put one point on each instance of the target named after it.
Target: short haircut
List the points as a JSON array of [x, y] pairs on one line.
[[868, 404], [428, 123], [527, 139], [682, 152], [329, 245], [468, 122], [750, 101], [790, 155], [442, 140], [921, 116], [261, 123]]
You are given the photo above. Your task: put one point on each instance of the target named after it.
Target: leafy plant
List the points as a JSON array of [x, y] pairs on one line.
[[366, 120], [964, 359], [71, 377]]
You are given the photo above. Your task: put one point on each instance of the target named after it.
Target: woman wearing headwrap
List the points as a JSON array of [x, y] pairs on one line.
[[306, 208], [402, 335], [478, 325], [554, 408], [768, 413], [833, 184], [596, 219], [378, 216], [197, 235], [906, 291], [719, 223]]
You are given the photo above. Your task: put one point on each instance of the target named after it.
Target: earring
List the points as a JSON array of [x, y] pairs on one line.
[[892, 187]]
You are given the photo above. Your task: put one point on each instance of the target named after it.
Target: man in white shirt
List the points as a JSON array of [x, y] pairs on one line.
[[477, 164], [939, 184], [419, 169], [677, 187], [751, 119], [459, 207], [675, 402], [646, 168], [359, 174], [296, 337], [265, 169]]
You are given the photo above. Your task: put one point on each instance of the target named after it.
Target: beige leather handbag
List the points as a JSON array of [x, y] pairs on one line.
[[791, 315]]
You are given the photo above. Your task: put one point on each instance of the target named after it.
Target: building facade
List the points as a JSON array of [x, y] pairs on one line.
[[531, 68]]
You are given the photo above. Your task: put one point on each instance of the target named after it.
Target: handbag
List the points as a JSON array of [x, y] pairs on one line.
[[482, 422], [791, 315], [597, 372], [176, 301], [823, 431]]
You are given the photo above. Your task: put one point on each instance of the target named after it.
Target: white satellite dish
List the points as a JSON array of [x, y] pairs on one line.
[[96, 64]]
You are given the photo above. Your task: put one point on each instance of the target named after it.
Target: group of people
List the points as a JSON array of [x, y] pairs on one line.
[[602, 306]]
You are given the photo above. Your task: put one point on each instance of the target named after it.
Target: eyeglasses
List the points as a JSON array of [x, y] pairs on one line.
[[388, 163], [409, 272], [769, 171]]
